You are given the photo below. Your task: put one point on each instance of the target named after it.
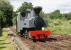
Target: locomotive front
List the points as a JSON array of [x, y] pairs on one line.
[[29, 21]]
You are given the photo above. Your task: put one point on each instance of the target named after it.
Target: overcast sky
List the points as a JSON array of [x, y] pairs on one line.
[[48, 5]]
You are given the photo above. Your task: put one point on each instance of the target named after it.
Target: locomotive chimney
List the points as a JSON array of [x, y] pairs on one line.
[[37, 10]]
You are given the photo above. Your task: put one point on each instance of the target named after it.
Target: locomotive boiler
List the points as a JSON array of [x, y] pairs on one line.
[[30, 23]]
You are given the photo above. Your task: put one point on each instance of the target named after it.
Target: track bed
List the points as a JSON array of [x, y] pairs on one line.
[[63, 42]]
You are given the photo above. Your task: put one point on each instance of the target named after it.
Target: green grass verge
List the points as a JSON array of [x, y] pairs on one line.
[[4, 42], [59, 26]]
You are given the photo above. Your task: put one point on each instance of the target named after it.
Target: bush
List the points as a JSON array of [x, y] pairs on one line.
[[14, 20], [70, 21], [57, 22], [0, 31]]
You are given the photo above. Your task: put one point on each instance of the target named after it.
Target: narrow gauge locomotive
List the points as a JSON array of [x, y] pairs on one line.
[[29, 24]]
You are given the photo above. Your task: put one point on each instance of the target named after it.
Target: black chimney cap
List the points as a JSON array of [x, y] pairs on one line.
[[37, 10]]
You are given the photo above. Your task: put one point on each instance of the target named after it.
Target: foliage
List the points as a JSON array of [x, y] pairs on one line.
[[67, 16], [25, 6], [5, 42], [56, 14], [59, 26], [0, 31], [6, 13], [14, 20], [43, 15]]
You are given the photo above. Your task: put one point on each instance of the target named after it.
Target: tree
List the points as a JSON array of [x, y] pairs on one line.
[[56, 14], [69, 16], [1, 19], [7, 10], [66, 16], [25, 6], [1, 15]]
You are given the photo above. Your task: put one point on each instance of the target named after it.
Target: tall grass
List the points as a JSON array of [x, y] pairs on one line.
[[59, 26]]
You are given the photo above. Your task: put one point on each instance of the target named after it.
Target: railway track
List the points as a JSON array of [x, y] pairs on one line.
[[20, 45], [23, 44]]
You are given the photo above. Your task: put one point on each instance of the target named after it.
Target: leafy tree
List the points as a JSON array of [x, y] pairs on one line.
[[25, 6], [67, 16], [56, 14], [44, 15], [7, 10], [1, 15], [1, 19]]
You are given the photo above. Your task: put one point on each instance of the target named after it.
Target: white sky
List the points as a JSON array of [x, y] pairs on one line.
[[48, 5]]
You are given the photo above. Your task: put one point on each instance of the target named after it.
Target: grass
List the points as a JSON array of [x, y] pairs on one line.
[[4, 42], [59, 26]]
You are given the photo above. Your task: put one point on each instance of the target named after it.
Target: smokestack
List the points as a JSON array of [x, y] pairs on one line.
[[37, 10]]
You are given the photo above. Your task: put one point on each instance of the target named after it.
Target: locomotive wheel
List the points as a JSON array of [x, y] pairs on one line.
[[21, 33], [33, 38], [25, 34]]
